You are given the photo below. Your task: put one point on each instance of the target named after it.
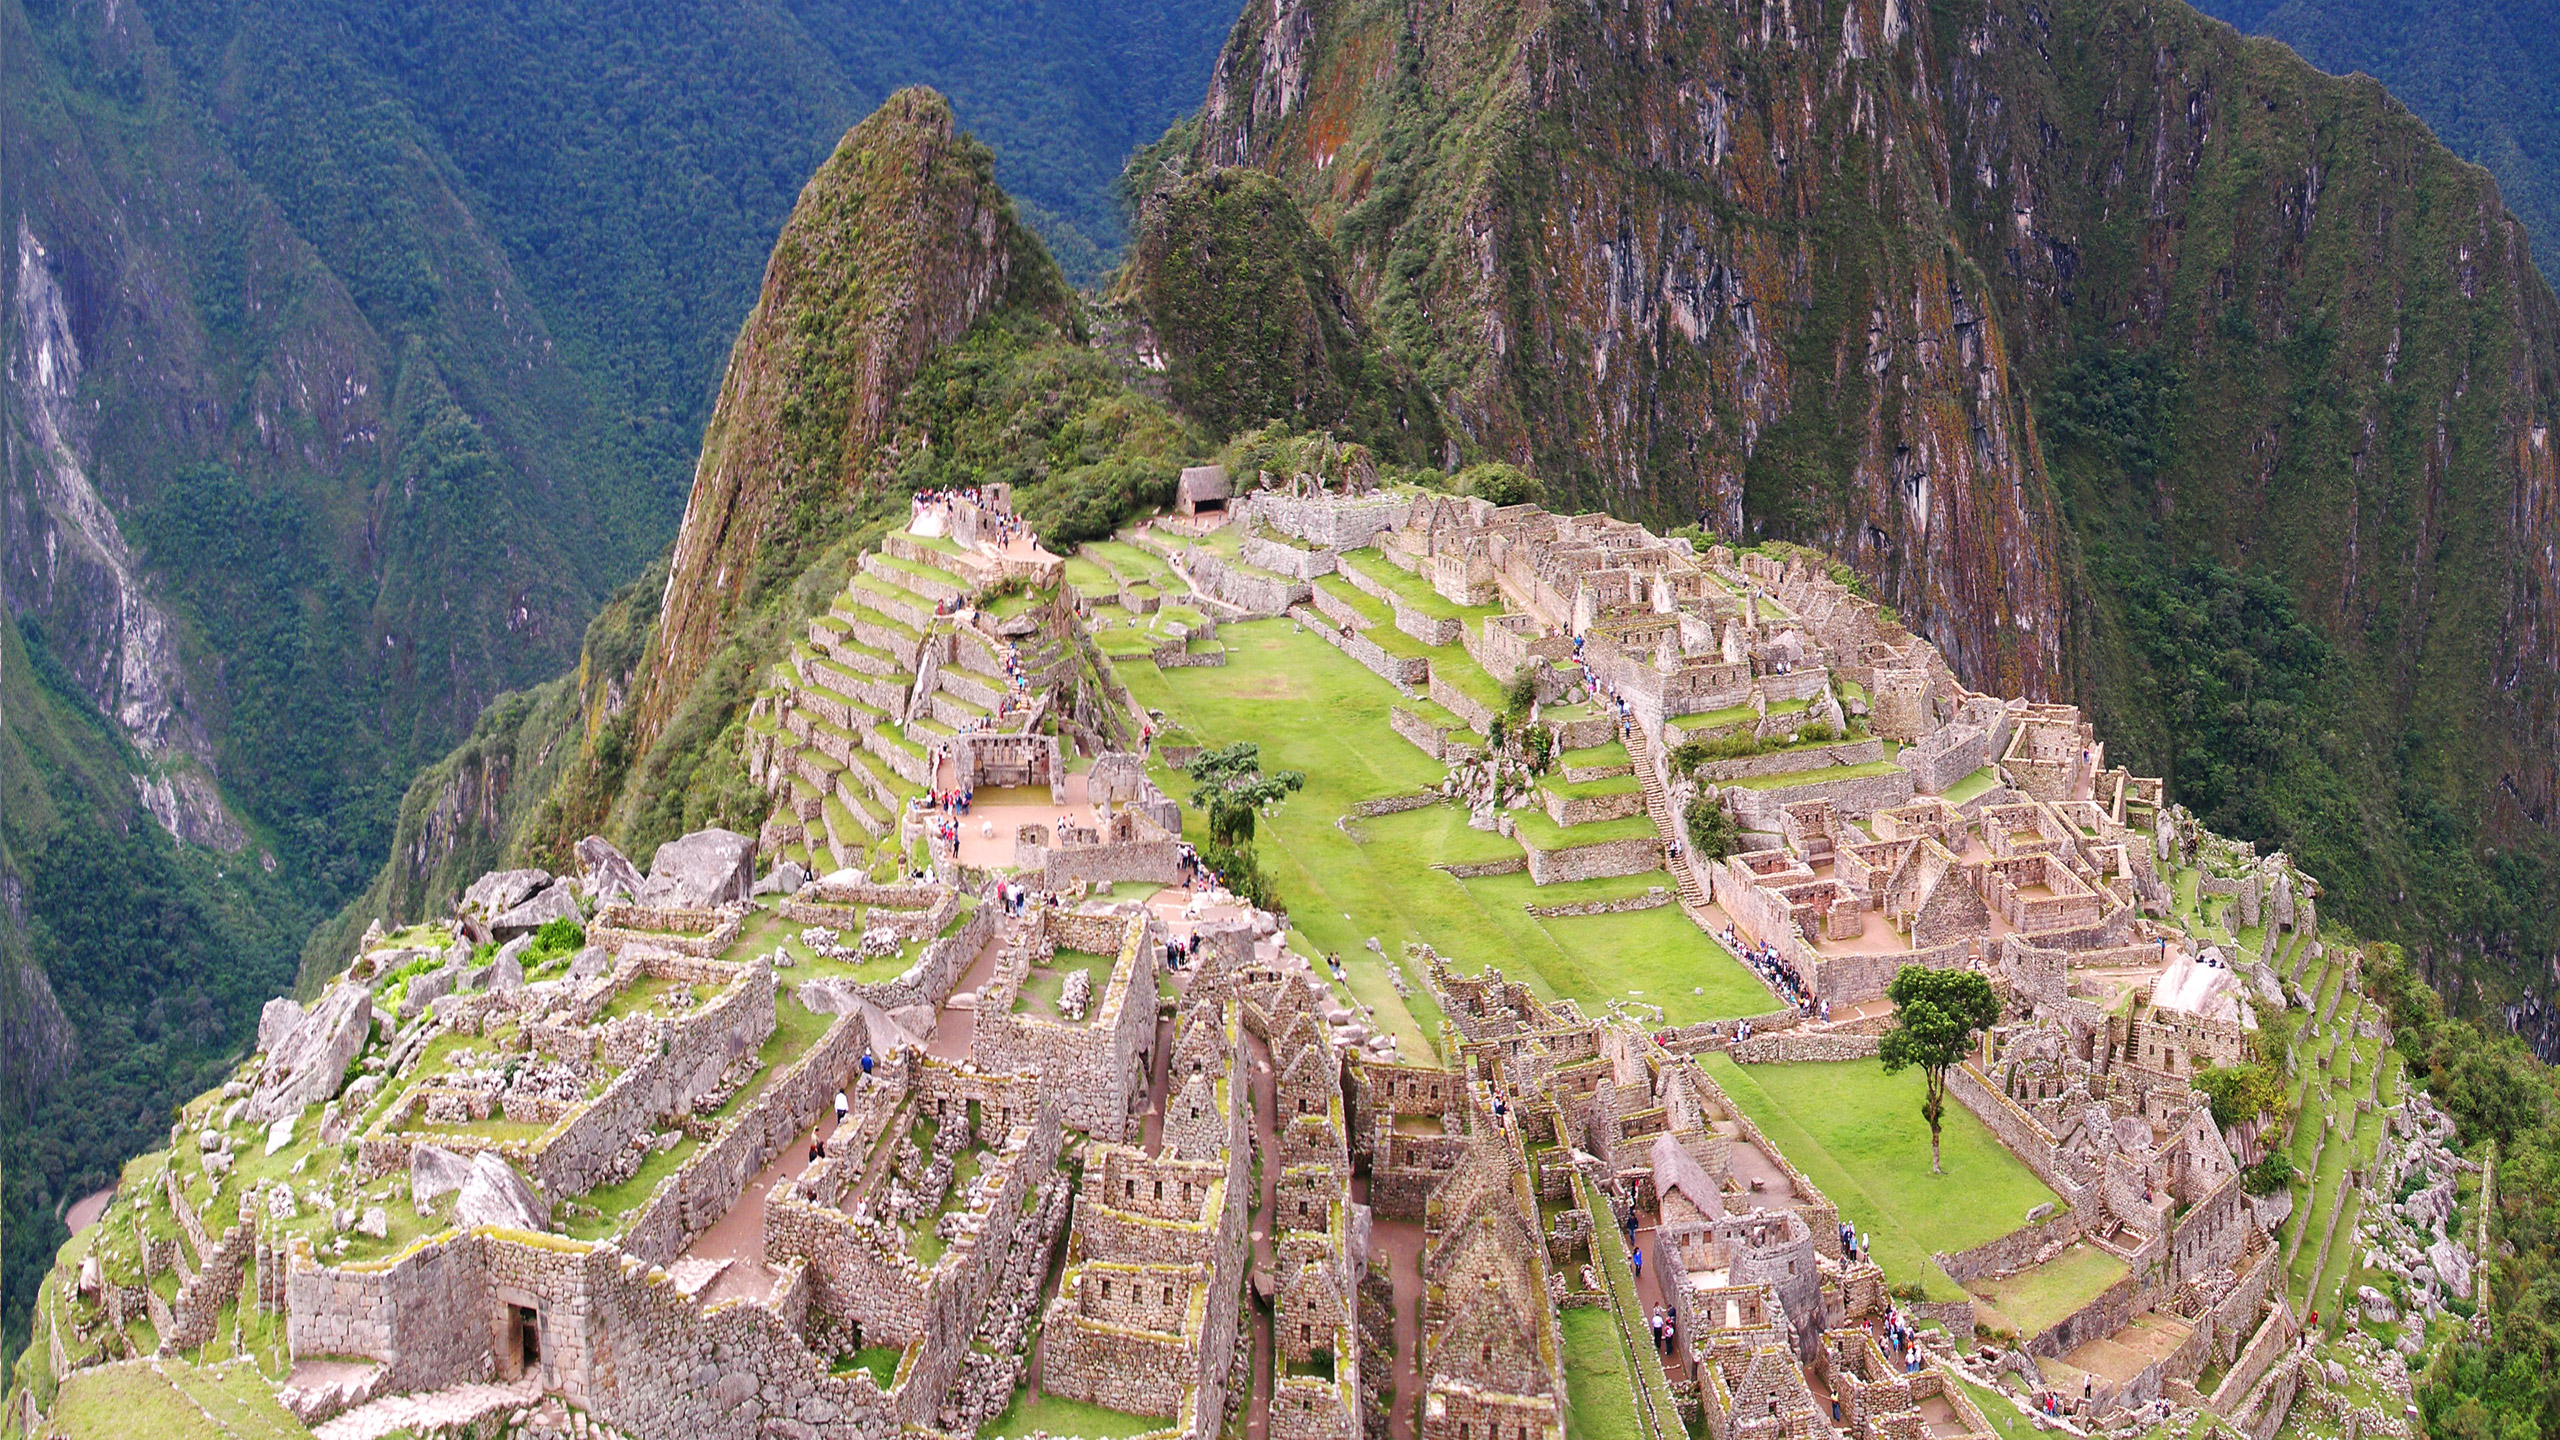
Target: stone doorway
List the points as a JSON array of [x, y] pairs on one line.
[[524, 1324]]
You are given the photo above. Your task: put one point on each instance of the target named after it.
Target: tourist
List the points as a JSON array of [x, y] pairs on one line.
[[866, 1062], [1639, 1262]]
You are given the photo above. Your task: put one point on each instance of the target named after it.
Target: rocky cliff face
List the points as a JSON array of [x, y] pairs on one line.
[[898, 245], [1695, 264], [1809, 270]]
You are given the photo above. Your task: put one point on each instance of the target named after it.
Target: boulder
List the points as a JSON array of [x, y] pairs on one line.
[[276, 1022], [588, 964], [305, 1066], [783, 879], [435, 1171], [2452, 1265], [375, 1222], [605, 874], [556, 901], [700, 870], [500, 891], [506, 971], [494, 1194]]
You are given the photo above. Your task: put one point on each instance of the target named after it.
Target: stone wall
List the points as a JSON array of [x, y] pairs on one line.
[[1264, 553], [1847, 752], [2022, 1133], [1248, 588], [1460, 704], [708, 1185], [1654, 898], [1855, 796], [1430, 739], [1632, 856], [2015, 1250], [699, 1049], [1333, 521], [1790, 1045], [1569, 810], [941, 965]]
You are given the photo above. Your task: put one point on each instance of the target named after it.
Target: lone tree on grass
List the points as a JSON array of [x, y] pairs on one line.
[[1936, 1014], [1229, 784]]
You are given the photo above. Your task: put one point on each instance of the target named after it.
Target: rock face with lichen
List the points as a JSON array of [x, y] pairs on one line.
[[898, 245]]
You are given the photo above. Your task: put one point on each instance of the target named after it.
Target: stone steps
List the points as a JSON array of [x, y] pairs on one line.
[[1657, 804], [453, 1407]]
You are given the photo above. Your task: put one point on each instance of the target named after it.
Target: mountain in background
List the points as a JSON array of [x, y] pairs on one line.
[[2132, 361], [2483, 74], [356, 353]]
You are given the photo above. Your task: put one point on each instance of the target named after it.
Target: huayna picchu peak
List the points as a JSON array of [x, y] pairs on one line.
[[1774, 719]]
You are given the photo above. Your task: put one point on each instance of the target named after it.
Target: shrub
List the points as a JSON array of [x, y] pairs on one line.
[[1713, 832], [2269, 1175]]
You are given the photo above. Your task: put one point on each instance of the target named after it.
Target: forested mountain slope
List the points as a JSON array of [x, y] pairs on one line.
[[355, 354], [2484, 74], [2130, 359]]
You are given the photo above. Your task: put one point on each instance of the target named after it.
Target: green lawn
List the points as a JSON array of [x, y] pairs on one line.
[[2037, 1297], [1595, 1376], [1857, 1132], [1056, 1415], [1411, 590], [1340, 891], [1536, 829], [1974, 784], [172, 1401]]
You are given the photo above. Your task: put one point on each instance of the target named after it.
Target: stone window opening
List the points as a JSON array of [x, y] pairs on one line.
[[1106, 1289], [1159, 1189]]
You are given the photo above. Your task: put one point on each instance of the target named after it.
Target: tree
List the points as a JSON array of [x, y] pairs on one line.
[[1229, 784], [1502, 484], [2240, 1092], [1936, 1014]]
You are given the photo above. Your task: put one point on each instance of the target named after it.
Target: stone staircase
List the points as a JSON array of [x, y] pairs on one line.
[[450, 1409], [1657, 803]]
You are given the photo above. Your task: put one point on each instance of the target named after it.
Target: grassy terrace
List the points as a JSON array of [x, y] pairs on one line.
[[1412, 591], [1367, 606], [1794, 778], [1584, 789], [1042, 988], [1091, 580], [1979, 782], [1536, 830], [2033, 1299], [1857, 1133], [1597, 756], [1130, 562], [1342, 888], [1056, 1415], [1597, 1378]]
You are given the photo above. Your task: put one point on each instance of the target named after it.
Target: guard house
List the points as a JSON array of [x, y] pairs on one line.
[[1203, 488]]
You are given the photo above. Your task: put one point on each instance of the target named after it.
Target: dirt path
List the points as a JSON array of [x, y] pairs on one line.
[[1401, 1242], [1266, 1140], [738, 1237], [84, 1212]]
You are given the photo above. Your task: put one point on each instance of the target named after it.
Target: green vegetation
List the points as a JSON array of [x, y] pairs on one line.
[[2479, 73], [2041, 1295], [1252, 305], [1377, 879], [1056, 1415], [1713, 832], [1596, 1377], [1848, 1127], [1936, 1014], [172, 1400]]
